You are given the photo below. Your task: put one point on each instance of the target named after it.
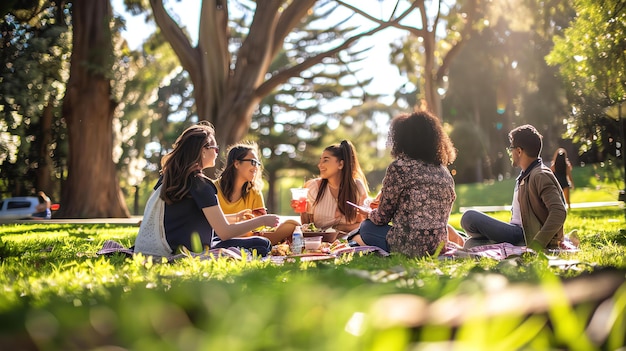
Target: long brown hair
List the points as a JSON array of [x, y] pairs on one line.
[[351, 171], [183, 161], [560, 161], [228, 174]]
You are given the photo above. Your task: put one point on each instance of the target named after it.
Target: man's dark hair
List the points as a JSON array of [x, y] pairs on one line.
[[528, 139]]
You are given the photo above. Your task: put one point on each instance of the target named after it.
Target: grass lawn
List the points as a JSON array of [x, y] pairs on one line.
[[56, 294]]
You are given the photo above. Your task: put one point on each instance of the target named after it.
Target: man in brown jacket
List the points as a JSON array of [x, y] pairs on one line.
[[538, 210]]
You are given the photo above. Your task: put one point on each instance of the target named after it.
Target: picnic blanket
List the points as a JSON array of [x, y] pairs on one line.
[[499, 251], [111, 247], [333, 254]]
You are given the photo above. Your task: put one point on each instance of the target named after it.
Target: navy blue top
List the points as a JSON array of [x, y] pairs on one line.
[[185, 217]]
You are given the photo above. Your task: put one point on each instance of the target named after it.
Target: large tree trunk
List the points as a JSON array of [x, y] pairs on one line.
[[92, 188]]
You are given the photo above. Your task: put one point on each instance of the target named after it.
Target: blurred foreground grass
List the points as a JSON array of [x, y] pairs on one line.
[[57, 295]]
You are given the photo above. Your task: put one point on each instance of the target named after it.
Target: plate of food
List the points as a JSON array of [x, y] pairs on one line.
[[280, 233], [310, 230]]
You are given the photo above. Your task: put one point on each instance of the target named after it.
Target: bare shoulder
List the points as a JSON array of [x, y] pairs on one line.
[[360, 186]]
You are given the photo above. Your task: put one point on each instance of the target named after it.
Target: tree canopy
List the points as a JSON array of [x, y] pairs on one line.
[[591, 57], [35, 42], [272, 71]]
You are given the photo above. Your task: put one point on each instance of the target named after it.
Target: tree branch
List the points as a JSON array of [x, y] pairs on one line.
[[424, 31], [288, 21], [254, 54], [284, 75], [281, 77], [175, 36], [393, 23], [466, 33], [436, 20]]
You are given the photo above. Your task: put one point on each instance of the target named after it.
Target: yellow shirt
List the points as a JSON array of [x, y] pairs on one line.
[[253, 200]]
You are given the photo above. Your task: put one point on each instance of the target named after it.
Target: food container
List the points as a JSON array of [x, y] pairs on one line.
[[312, 243], [328, 237]]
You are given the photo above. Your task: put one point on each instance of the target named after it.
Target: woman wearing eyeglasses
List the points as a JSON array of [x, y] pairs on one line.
[[184, 210], [239, 183]]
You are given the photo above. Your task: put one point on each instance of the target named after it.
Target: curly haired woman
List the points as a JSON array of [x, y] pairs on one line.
[[418, 190]]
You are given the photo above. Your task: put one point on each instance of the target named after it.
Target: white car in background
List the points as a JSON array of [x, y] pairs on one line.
[[18, 207]]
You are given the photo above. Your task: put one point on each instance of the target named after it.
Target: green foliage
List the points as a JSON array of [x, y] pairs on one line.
[[149, 126], [56, 294], [595, 41], [425, 54], [500, 80], [590, 59], [35, 52]]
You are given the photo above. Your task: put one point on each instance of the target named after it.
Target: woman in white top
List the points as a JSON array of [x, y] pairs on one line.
[[341, 179]]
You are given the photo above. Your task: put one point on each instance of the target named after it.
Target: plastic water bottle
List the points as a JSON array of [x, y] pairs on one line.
[[297, 241]]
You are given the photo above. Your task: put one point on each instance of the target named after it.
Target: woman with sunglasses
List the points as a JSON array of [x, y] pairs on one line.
[[190, 215], [239, 183]]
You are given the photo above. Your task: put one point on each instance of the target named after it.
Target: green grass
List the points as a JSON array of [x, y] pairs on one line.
[[56, 294]]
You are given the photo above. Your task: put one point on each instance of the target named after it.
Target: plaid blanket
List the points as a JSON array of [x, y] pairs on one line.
[[499, 251], [333, 254], [496, 251], [112, 247]]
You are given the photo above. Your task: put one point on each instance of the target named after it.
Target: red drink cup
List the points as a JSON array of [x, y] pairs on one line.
[[301, 205], [300, 195]]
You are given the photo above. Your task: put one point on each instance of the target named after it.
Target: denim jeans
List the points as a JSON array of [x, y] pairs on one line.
[[262, 245], [483, 229], [374, 235]]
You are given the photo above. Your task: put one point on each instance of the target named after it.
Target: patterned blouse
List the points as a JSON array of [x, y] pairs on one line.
[[416, 198]]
